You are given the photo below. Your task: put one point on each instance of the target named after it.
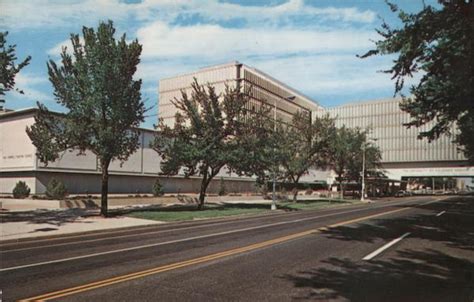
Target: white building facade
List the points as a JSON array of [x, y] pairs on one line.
[[81, 174], [404, 156]]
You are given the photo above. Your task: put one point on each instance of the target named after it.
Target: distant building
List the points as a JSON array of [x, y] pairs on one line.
[[264, 88], [404, 156], [81, 174]]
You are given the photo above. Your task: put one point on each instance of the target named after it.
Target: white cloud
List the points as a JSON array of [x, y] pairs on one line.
[[44, 13], [53, 13], [213, 41], [57, 49], [30, 84], [221, 11]]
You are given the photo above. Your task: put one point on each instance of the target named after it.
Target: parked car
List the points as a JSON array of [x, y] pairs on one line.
[[402, 193]]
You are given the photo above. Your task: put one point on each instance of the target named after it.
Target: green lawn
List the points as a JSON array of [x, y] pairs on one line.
[[181, 213], [313, 204]]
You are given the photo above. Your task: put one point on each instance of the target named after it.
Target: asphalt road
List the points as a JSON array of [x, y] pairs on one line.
[[412, 249]]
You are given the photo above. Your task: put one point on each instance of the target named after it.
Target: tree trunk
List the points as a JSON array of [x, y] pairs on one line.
[[341, 186], [104, 189], [295, 190], [202, 193], [295, 195]]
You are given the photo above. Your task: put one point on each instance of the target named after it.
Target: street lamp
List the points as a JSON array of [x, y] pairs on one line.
[[364, 147], [274, 155], [289, 98]]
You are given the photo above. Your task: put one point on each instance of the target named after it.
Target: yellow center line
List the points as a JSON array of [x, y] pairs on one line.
[[173, 266]]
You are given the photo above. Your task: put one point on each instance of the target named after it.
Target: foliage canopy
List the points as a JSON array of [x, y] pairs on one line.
[[102, 100], [213, 131], [437, 43], [8, 68]]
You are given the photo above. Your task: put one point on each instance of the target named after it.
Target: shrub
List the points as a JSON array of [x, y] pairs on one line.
[[262, 189], [56, 189], [222, 190], [158, 188], [308, 191], [21, 190]]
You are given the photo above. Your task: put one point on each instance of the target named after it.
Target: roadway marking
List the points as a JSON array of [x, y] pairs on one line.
[[194, 261], [149, 233], [207, 236], [173, 241], [440, 213], [383, 248], [227, 221]]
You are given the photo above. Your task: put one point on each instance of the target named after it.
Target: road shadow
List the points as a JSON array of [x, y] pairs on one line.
[[454, 228], [412, 276], [425, 274]]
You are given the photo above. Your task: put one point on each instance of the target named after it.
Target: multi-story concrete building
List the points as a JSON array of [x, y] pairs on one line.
[[263, 87], [404, 156], [81, 174]]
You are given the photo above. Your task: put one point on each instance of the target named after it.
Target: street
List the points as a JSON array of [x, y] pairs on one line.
[[411, 249]]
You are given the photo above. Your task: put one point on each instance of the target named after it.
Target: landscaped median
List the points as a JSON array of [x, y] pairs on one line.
[[189, 212]]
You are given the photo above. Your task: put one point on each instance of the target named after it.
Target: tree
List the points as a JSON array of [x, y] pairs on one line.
[[439, 44], [157, 189], [8, 68], [102, 100], [212, 131], [21, 190], [56, 189], [347, 148], [303, 145], [361, 147]]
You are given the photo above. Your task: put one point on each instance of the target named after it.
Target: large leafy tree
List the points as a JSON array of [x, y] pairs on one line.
[[347, 150], [303, 144], [437, 42], [213, 131], [8, 68], [102, 101]]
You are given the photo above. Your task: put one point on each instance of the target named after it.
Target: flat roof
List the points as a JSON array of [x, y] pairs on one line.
[[309, 101], [365, 102], [32, 110], [314, 104]]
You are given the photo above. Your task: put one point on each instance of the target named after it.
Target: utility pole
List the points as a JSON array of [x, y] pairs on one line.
[[362, 197], [274, 157], [364, 148]]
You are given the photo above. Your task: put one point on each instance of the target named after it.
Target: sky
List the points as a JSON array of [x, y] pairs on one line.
[[310, 45]]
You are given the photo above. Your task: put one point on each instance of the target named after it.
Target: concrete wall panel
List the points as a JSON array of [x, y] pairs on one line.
[[16, 150]]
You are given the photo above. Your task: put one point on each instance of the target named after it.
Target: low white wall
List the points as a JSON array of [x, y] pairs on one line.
[[77, 183]]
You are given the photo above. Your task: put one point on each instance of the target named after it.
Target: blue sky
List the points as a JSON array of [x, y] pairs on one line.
[[310, 45]]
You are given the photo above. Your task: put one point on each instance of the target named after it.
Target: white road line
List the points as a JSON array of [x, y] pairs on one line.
[[185, 239], [440, 213], [383, 248], [173, 241], [153, 232]]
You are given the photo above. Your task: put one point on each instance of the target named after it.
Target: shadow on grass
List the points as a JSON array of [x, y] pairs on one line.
[[313, 201], [190, 205], [193, 208]]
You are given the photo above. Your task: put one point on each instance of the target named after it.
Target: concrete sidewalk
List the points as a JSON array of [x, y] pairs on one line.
[[14, 205], [41, 223], [28, 218]]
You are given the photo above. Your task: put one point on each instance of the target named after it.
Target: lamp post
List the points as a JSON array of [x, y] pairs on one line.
[[362, 195], [289, 98], [274, 155], [364, 148]]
